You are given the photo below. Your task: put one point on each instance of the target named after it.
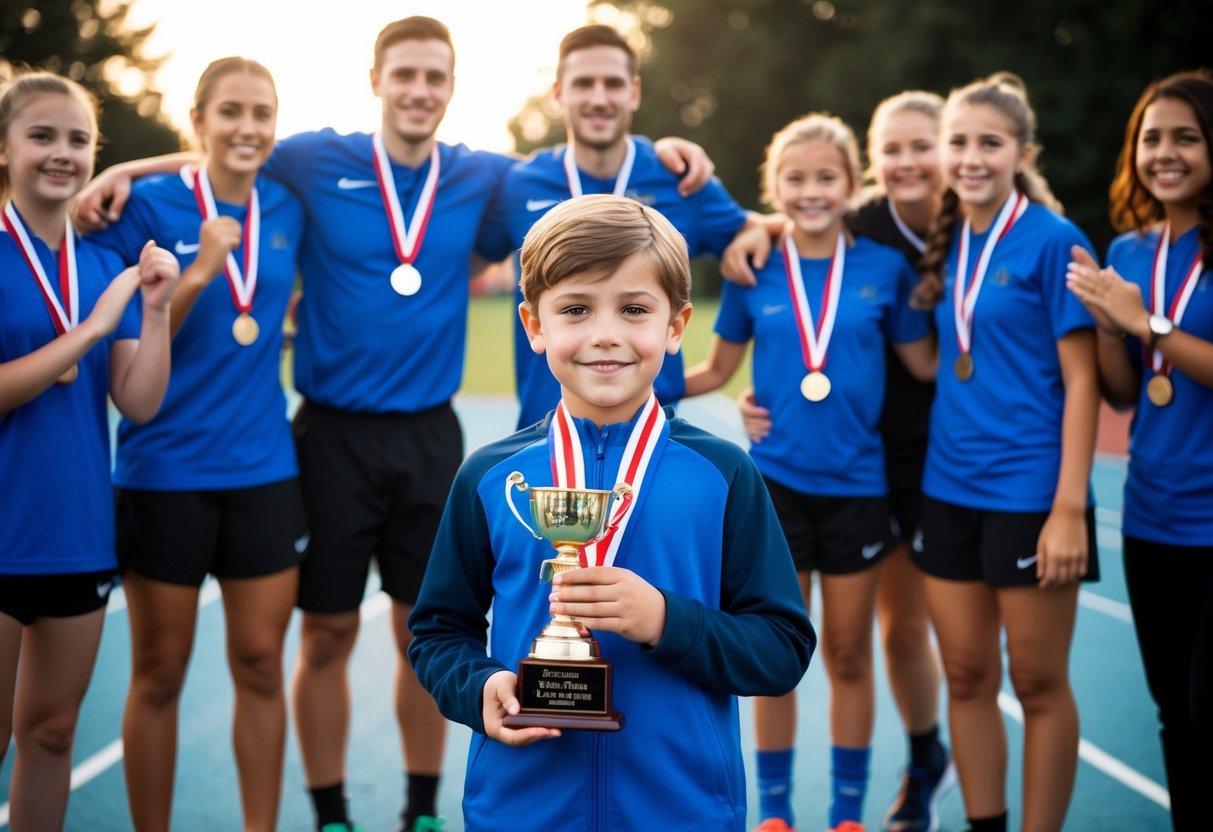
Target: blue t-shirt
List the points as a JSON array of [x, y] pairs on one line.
[[361, 347], [707, 219], [995, 441], [1169, 488], [57, 515], [223, 422], [832, 447]]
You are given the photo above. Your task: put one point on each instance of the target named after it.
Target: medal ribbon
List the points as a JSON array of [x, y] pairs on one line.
[[814, 340], [564, 448], [69, 286], [913, 239], [243, 284], [406, 240], [621, 180], [964, 300], [1158, 292]]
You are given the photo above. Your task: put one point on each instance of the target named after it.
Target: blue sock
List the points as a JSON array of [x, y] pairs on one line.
[[775, 784], [848, 782]]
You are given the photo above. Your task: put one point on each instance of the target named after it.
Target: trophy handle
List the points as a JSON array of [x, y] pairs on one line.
[[516, 480], [623, 494]]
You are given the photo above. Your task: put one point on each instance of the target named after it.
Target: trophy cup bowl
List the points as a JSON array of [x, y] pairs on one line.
[[564, 682]]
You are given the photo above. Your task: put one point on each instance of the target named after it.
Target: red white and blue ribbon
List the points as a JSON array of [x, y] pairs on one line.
[[621, 179], [815, 337], [406, 239], [1158, 292], [241, 282], [964, 298], [64, 315]]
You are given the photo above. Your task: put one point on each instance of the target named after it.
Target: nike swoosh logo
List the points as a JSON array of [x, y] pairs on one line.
[[773, 308], [1024, 563], [182, 247], [301, 543], [540, 204], [871, 550], [916, 545], [347, 184], [104, 588]]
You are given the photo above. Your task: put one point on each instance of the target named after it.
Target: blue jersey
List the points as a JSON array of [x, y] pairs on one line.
[[223, 422], [361, 347], [1169, 488], [832, 447], [57, 515], [703, 531], [707, 219], [995, 440]]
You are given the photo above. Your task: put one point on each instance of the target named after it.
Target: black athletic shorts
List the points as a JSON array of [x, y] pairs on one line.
[[833, 535], [179, 536], [375, 485], [30, 597], [998, 547]]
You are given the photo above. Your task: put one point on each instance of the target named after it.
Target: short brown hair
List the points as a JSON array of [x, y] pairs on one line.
[[593, 235], [417, 27], [595, 35]]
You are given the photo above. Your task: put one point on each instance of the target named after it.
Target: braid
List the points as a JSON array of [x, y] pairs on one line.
[[1032, 184], [929, 290]]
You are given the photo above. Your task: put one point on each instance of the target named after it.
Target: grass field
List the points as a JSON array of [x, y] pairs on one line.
[[489, 367]]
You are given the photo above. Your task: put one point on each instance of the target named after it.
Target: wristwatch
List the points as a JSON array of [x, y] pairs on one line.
[[1160, 326]]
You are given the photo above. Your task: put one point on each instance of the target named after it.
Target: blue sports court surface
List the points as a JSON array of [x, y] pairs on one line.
[[1119, 776]]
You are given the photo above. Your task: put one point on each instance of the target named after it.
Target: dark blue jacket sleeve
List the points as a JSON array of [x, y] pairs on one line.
[[760, 640]]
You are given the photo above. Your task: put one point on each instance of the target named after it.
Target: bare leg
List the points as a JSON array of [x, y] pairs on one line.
[[1040, 626], [321, 694], [57, 656], [258, 611], [422, 726], [914, 673], [162, 619], [848, 604], [10, 653], [775, 716], [967, 624]]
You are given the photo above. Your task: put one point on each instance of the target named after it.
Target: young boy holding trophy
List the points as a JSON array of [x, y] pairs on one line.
[[692, 600]]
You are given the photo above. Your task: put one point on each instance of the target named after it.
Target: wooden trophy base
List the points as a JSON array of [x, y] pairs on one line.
[[570, 695]]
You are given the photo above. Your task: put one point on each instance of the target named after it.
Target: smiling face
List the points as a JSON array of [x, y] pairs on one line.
[[812, 186], [599, 95], [236, 123], [606, 337], [981, 157], [48, 150], [415, 81], [1172, 155], [905, 153]]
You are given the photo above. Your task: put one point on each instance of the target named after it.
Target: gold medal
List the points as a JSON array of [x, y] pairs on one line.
[[1160, 391], [964, 366], [69, 375], [406, 280], [815, 386], [245, 329]]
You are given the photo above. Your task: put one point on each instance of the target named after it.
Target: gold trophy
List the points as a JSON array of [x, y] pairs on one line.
[[564, 682]]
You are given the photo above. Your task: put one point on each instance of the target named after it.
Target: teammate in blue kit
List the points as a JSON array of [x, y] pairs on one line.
[[211, 484], [598, 90], [1008, 522], [1156, 354], [391, 220], [69, 337], [820, 315], [695, 602], [896, 211]]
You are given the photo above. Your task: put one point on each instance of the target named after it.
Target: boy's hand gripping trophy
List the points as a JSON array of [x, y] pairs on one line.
[[564, 682]]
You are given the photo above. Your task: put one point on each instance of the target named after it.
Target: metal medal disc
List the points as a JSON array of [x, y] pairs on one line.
[[69, 375], [1160, 391], [245, 329], [406, 280], [815, 386], [964, 366]]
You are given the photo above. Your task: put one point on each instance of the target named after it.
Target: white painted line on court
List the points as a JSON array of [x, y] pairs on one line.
[[1102, 760], [1107, 517], [110, 756], [1113, 609]]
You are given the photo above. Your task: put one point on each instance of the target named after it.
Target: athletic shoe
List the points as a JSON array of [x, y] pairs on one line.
[[848, 826], [428, 823], [774, 825], [916, 808], [341, 826]]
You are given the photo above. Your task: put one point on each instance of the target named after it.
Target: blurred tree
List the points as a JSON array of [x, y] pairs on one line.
[[89, 42], [729, 73]]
